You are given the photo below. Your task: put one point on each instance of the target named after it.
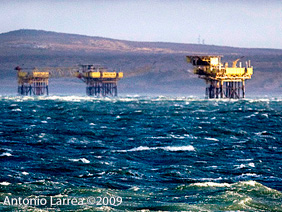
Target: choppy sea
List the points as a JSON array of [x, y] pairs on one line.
[[72, 153]]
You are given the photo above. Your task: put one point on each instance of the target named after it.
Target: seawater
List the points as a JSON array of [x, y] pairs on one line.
[[156, 153]]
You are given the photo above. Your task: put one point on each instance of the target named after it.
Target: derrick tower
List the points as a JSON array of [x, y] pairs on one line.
[[99, 81], [222, 81]]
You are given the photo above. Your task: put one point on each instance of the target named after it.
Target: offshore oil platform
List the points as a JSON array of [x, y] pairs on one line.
[[33, 82], [99, 81], [222, 81]]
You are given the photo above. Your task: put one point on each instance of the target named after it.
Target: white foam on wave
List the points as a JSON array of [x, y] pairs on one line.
[[177, 136], [7, 154], [5, 183], [79, 98], [67, 98], [252, 115], [210, 179], [25, 173], [265, 115], [210, 184], [245, 159], [134, 188], [132, 98], [167, 148], [244, 201], [249, 183], [258, 100], [250, 175], [17, 109], [213, 184], [179, 148], [211, 139], [244, 165], [83, 160]]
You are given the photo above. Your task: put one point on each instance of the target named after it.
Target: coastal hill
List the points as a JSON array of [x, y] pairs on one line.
[[62, 42], [151, 67]]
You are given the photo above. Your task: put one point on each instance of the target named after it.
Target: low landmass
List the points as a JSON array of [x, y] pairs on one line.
[[150, 67]]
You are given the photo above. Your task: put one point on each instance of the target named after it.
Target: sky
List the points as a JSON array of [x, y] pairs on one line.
[[240, 23]]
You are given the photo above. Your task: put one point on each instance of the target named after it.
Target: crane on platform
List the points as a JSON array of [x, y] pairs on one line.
[[234, 63]]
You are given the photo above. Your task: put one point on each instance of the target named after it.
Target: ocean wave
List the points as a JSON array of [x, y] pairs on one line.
[[5, 183], [210, 184], [211, 139], [245, 185], [25, 173], [241, 166], [6, 154], [167, 148], [128, 98], [83, 160], [16, 110]]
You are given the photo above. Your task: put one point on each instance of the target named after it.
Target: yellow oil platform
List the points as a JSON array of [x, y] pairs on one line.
[[32, 82], [99, 81], [222, 81]]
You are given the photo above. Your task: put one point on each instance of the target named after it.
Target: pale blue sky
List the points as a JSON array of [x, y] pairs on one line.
[[241, 23]]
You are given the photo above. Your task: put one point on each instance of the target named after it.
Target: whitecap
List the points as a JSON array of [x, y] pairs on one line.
[[252, 115], [251, 164], [250, 182], [249, 175], [213, 167], [7, 154], [240, 166], [17, 109], [83, 160], [210, 184], [157, 137], [140, 148], [167, 148], [244, 201], [68, 98], [41, 135], [244, 165], [179, 148], [86, 175], [101, 173], [134, 188], [211, 139], [246, 159], [177, 136], [7, 149], [265, 115], [5, 183], [210, 179], [25, 173]]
